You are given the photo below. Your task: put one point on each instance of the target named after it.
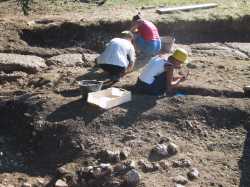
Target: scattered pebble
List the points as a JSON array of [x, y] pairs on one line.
[[180, 180], [61, 183], [172, 149], [161, 149], [193, 174], [26, 185], [132, 177], [164, 164], [182, 163]]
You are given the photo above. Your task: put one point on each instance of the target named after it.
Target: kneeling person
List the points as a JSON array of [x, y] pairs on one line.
[[158, 75], [119, 56]]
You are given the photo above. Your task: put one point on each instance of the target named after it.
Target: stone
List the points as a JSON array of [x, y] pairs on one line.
[[172, 149], [161, 149], [61, 183], [178, 185], [156, 166], [13, 76], [146, 166], [132, 177], [66, 60], [128, 137], [193, 174], [26, 185], [164, 139], [180, 180], [164, 164], [109, 156], [105, 165], [40, 181], [182, 163], [191, 66], [130, 164], [125, 153], [114, 183], [90, 59], [62, 171], [120, 168], [25, 63]]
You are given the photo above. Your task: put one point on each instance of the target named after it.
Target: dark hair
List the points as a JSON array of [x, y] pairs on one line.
[[136, 17]]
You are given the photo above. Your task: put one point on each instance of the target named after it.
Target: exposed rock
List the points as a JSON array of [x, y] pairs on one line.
[[146, 166], [40, 181], [164, 164], [113, 183], [26, 63], [90, 59], [68, 60], [182, 163], [120, 168], [26, 185], [243, 47], [180, 180], [164, 139], [178, 185], [193, 174], [132, 177], [191, 65], [217, 49], [109, 156], [11, 76], [48, 79], [156, 166], [172, 149], [125, 153], [128, 137], [130, 164], [61, 183], [62, 171], [161, 149]]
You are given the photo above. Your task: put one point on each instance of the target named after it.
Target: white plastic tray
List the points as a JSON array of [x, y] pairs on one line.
[[109, 98]]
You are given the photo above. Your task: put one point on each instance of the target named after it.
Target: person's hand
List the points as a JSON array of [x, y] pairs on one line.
[[184, 77]]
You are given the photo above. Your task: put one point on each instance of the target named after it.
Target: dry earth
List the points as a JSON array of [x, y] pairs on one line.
[[49, 133]]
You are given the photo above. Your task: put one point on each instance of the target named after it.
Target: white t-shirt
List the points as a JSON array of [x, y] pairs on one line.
[[156, 66], [116, 53]]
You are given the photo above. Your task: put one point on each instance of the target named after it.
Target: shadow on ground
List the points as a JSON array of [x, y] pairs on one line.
[[244, 163]]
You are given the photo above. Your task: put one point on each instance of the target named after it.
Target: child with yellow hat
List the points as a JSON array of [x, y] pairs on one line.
[[157, 76]]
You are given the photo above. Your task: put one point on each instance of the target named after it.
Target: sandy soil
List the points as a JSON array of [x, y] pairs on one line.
[[46, 124]]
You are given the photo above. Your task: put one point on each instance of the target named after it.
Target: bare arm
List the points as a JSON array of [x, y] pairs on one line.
[[134, 27], [131, 59], [171, 81]]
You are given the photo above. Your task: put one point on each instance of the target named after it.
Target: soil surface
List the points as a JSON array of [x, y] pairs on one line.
[[48, 132]]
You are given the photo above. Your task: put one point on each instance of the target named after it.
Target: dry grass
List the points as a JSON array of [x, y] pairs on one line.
[[114, 10]]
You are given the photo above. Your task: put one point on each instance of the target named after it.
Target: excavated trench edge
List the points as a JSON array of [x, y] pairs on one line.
[[95, 36]]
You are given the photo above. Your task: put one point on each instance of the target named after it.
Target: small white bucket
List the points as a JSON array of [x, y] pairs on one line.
[[167, 43]]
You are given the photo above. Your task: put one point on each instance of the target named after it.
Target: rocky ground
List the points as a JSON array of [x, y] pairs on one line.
[[50, 137]]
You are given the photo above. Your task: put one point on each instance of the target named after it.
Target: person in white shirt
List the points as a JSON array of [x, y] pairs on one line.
[[118, 57], [157, 76]]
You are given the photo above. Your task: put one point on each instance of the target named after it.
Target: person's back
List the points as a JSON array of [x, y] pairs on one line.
[[148, 30], [155, 67], [116, 52]]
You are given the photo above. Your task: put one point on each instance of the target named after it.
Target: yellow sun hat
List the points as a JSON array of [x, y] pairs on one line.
[[181, 55]]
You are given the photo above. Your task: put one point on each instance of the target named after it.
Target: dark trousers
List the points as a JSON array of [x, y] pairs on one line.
[[158, 87], [112, 69]]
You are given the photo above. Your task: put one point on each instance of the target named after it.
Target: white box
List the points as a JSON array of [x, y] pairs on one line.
[[109, 98]]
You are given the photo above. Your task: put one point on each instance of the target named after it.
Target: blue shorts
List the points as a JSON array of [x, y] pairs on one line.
[[151, 47]]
